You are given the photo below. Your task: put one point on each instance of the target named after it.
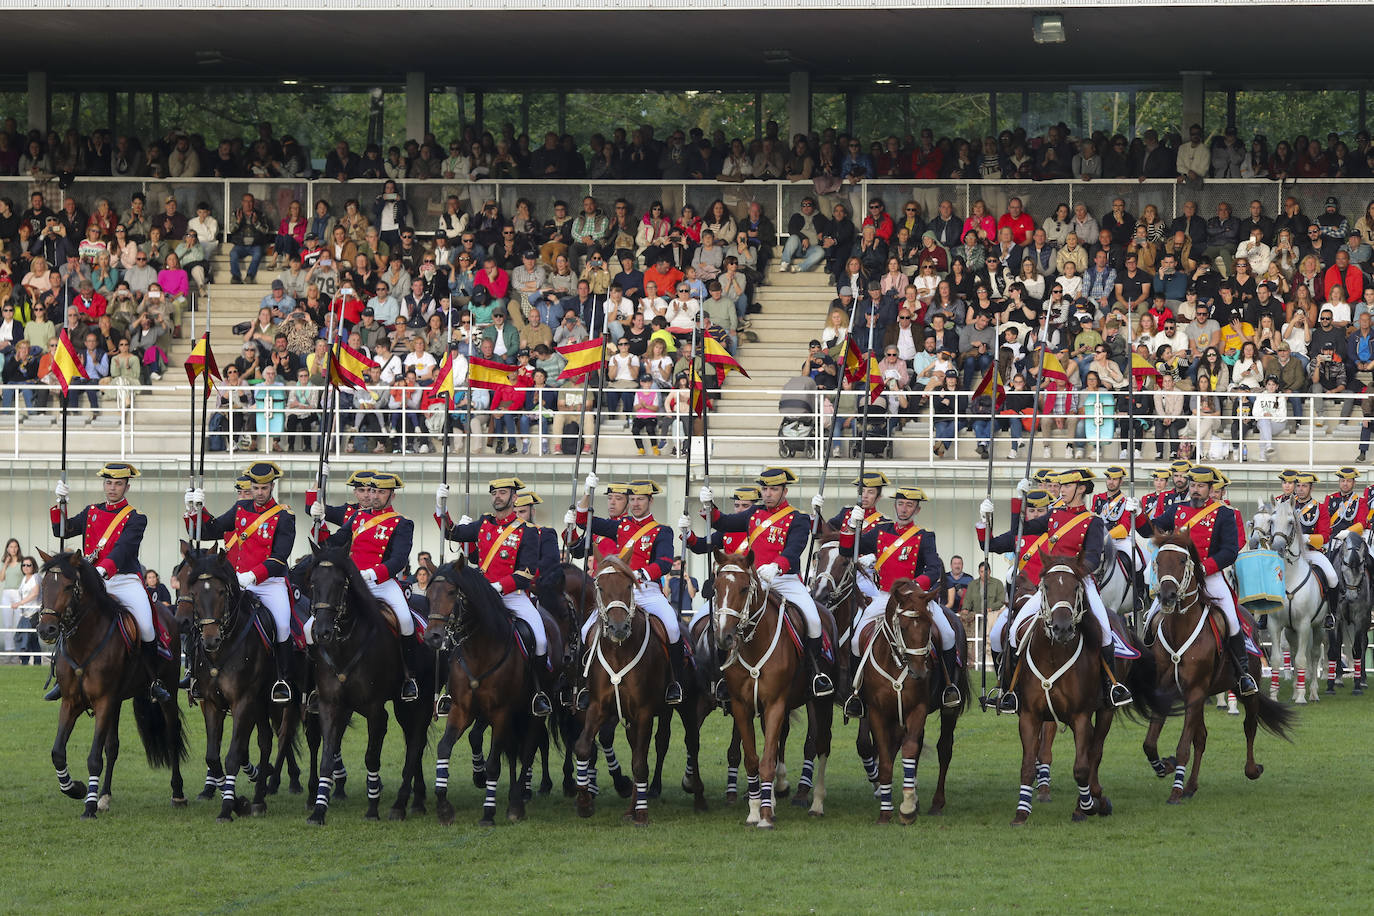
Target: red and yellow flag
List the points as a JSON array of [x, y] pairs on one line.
[[202, 359], [714, 352], [582, 358], [1052, 368], [485, 373], [1142, 368], [875, 380], [348, 367], [699, 401], [991, 385], [853, 368], [66, 363], [442, 389]]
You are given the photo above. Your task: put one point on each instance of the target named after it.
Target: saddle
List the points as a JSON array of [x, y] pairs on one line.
[[164, 624], [390, 617]]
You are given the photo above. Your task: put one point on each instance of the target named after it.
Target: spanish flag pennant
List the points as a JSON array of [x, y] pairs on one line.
[[582, 358], [1052, 368], [348, 368], [875, 380], [853, 368], [991, 385], [714, 352], [485, 373], [442, 389], [1142, 368], [202, 359], [66, 362]]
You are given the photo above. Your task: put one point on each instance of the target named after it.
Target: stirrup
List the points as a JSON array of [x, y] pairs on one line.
[[854, 707], [194, 690], [584, 699], [1246, 686], [1329, 621], [410, 691], [673, 695], [1008, 702], [281, 691], [821, 685], [157, 693], [539, 704], [185, 682], [443, 705], [1119, 695], [312, 703], [951, 698]]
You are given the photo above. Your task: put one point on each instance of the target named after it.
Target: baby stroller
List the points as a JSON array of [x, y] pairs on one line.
[[797, 405], [878, 444]]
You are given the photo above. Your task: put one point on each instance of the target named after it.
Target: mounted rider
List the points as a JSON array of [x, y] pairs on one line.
[[111, 536], [1316, 527], [1348, 508], [617, 505], [1110, 505], [1161, 479], [338, 515], [776, 536], [1287, 479], [902, 550], [379, 540], [1179, 495], [646, 546], [1211, 526], [870, 487], [1072, 529], [1033, 505], [259, 534], [746, 498], [507, 552]]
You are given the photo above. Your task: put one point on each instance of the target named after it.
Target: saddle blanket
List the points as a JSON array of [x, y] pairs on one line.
[[128, 631]]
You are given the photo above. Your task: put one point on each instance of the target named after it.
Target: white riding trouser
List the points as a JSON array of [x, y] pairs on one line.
[[1218, 591], [522, 608], [275, 595], [790, 587], [1032, 607], [390, 594], [944, 633], [128, 590], [1319, 560], [651, 598], [997, 632], [863, 581]]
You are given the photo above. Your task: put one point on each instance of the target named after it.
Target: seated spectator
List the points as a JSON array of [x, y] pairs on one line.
[[302, 413], [248, 233]]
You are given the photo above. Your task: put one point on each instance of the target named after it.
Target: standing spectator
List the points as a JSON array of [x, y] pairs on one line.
[[956, 584], [646, 420], [1269, 410], [248, 233], [19, 600]]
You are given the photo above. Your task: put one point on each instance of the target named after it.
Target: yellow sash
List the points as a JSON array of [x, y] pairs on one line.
[[1030, 551], [500, 537], [1081, 518], [1200, 516], [895, 546], [624, 552], [767, 523], [235, 538], [111, 529], [373, 522]]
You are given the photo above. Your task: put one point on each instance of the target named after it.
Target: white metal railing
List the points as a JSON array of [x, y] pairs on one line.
[[746, 422]]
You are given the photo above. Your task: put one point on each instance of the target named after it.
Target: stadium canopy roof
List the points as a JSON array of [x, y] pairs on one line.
[[639, 43]]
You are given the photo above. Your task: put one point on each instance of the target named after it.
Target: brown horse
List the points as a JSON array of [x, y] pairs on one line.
[[898, 664], [1060, 654], [762, 671], [236, 672], [626, 670], [1190, 658], [98, 671]]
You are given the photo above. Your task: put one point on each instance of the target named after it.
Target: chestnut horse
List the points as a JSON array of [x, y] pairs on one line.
[[1190, 659], [898, 663], [97, 671], [763, 672]]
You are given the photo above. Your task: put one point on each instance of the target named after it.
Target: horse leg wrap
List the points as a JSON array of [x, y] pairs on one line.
[[1160, 769], [871, 768], [691, 768], [322, 794], [766, 794], [1023, 800], [594, 788], [441, 775], [1085, 798], [479, 764], [1287, 660], [885, 797], [754, 788], [641, 796], [251, 772], [808, 769], [1180, 772], [1359, 668], [374, 785], [339, 771], [228, 792], [612, 764], [584, 780], [489, 803], [1302, 680], [1331, 670], [64, 779], [1274, 681], [909, 801], [731, 779], [1042, 775], [92, 789]]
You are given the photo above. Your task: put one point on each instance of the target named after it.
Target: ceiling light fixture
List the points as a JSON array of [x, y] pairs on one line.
[[1048, 29]]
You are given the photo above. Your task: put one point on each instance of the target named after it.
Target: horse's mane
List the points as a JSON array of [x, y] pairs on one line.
[[476, 591], [71, 564], [617, 564], [358, 596]]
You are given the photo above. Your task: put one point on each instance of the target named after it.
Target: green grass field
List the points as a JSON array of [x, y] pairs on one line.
[[1295, 840]]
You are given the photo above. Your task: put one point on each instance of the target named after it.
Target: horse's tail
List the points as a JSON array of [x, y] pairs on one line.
[[1275, 718], [160, 744], [965, 688]]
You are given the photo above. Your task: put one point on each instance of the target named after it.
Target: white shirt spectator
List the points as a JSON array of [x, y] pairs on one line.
[[1072, 286], [386, 311], [423, 363], [652, 308], [1179, 341], [681, 314], [1340, 312], [1257, 253]]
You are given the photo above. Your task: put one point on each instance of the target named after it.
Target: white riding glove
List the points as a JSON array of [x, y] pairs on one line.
[[818, 502], [441, 499], [642, 576], [104, 573], [570, 518], [867, 562], [1132, 505], [317, 510], [465, 520], [767, 573], [706, 496], [370, 576], [1023, 486], [62, 491], [684, 524], [856, 519], [496, 587], [246, 579], [589, 485], [986, 508]]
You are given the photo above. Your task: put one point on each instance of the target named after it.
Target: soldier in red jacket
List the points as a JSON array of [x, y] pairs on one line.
[[617, 504], [507, 551], [1160, 478], [647, 546], [259, 534], [870, 488], [111, 535], [1347, 508], [1028, 559], [1316, 525]]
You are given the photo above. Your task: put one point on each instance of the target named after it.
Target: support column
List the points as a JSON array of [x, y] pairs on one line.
[[40, 100], [417, 106], [1194, 82], [798, 104]]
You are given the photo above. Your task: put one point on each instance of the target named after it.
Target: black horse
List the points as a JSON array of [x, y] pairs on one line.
[[357, 659], [234, 668]]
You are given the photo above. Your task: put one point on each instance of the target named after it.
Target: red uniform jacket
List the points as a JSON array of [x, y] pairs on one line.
[[776, 535], [1348, 513], [111, 550], [266, 552], [382, 546], [915, 557], [506, 549], [1316, 523], [642, 543]]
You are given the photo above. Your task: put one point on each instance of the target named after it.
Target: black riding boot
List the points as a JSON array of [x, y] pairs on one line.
[[1117, 694], [674, 692], [1329, 600], [54, 694], [1245, 684], [281, 690], [539, 700], [156, 692], [853, 703], [1006, 697], [950, 697], [821, 685], [410, 690]]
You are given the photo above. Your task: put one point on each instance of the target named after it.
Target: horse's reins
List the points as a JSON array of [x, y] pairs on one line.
[[1076, 608], [1187, 586], [454, 622], [749, 618], [901, 655], [840, 591], [602, 618]]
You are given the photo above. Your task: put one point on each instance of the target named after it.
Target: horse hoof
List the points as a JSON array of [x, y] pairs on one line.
[[935, 811], [1079, 815], [813, 812], [486, 822], [1189, 793], [764, 825], [905, 819], [730, 797], [1254, 773], [1104, 807], [241, 805], [655, 789], [418, 807], [340, 795], [315, 820], [641, 819], [257, 809], [1357, 691], [178, 802], [103, 804], [801, 800], [396, 814], [526, 794], [205, 795], [585, 806], [783, 790], [479, 779], [515, 816], [1042, 796], [699, 804], [1330, 688], [445, 814], [885, 817], [88, 815], [546, 787], [76, 790], [569, 788], [1176, 797], [1020, 819], [623, 786], [372, 816], [1169, 764], [224, 819]]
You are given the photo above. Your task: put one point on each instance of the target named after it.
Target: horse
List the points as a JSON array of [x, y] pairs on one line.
[[763, 674], [901, 692], [235, 636], [489, 680], [357, 659], [1299, 620], [626, 669], [97, 668], [1190, 658], [1351, 559], [1116, 583]]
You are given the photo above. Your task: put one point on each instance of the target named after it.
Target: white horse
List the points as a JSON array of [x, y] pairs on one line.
[[1299, 621]]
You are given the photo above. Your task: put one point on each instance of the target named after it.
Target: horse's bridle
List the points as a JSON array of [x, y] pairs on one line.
[[604, 608], [840, 588], [226, 624], [1076, 607], [749, 616], [70, 618], [455, 633], [1186, 585], [343, 621], [902, 656]]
